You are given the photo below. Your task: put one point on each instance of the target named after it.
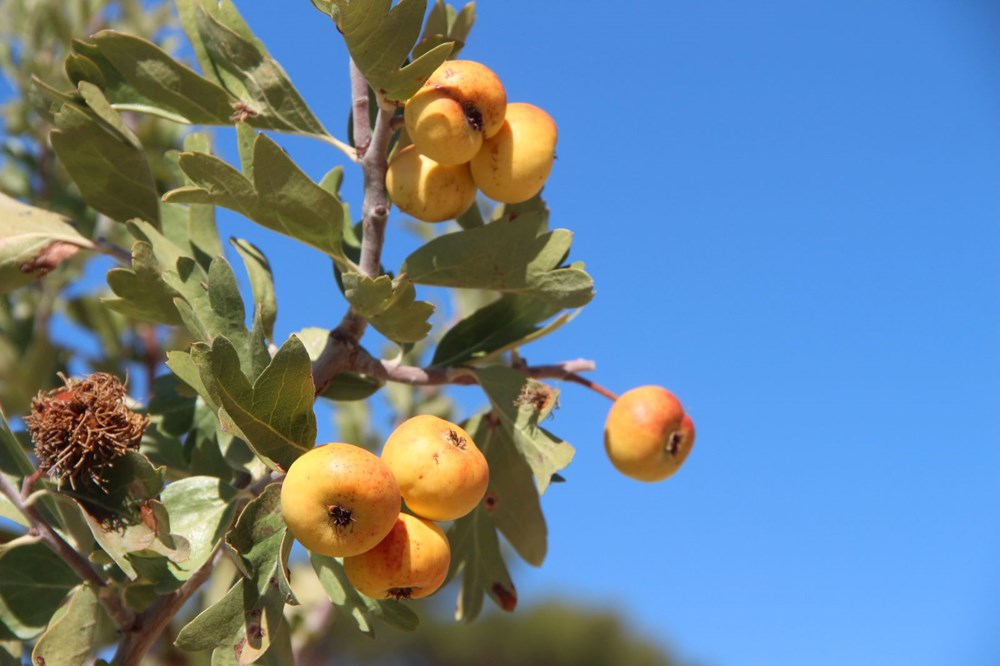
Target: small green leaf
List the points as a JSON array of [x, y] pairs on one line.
[[71, 636], [261, 282], [281, 196], [112, 173], [33, 241], [544, 452], [380, 37], [390, 306], [355, 607], [137, 75], [515, 508], [511, 321], [274, 415], [141, 292], [510, 255], [475, 553], [250, 614], [33, 583], [201, 509], [230, 53]]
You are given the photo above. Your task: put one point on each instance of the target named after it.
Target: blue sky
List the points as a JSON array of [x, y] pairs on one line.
[[791, 214]]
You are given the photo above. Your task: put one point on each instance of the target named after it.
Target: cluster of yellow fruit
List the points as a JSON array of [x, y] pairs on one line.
[[467, 137], [344, 501]]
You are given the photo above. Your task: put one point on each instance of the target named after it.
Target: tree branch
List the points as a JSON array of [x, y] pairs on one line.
[[150, 623], [373, 148]]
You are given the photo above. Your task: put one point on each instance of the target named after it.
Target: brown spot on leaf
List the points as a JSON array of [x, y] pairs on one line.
[[49, 257], [490, 502], [507, 597]]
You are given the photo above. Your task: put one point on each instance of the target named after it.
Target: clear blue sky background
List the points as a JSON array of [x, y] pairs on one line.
[[791, 211]]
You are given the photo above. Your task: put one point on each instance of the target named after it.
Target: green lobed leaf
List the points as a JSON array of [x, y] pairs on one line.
[[514, 502], [353, 606], [250, 614], [274, 415], [509, 255], [230, 54], [390, 306], [510, 321], [33, 241], [112, 173], [444, 24], [201, 509], [33, 583], [475, 553], [261, 282], [545, 453], [380, 38], [280, 197], [141, 292], [137, 75], [133, 527], [71, 636]]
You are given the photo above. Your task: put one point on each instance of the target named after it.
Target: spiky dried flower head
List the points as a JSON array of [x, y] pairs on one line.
[[82, 427]]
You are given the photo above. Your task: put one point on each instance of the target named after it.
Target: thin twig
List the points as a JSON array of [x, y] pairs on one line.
[[150, 623]]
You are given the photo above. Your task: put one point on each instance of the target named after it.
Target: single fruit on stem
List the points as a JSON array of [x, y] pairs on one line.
[[442, 474], [429, 191], [461, 103], [648, 435], [339, 499], [409, 563], [513, 166]]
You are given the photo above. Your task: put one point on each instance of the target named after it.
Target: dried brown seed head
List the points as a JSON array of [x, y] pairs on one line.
[[82, 427]]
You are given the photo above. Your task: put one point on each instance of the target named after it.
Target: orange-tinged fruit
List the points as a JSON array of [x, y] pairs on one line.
[[461, 103], [429, 191], [442, 474], [409, 563], [648, 436], [513, 165], [339, 499]]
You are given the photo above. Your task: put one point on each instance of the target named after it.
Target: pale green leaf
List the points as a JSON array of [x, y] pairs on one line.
[[390, 306], [380, 36], [514, 502], [475, 554], [201, 509], [71, 637], [274, 415], [113, 174], [137, 75], [545, 453], [511, 321], [250, 615], [354, 607], [141, 292], [33, 241], [261, 282], [281, 196], [33, 583], [230, 53], [509, 255]]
